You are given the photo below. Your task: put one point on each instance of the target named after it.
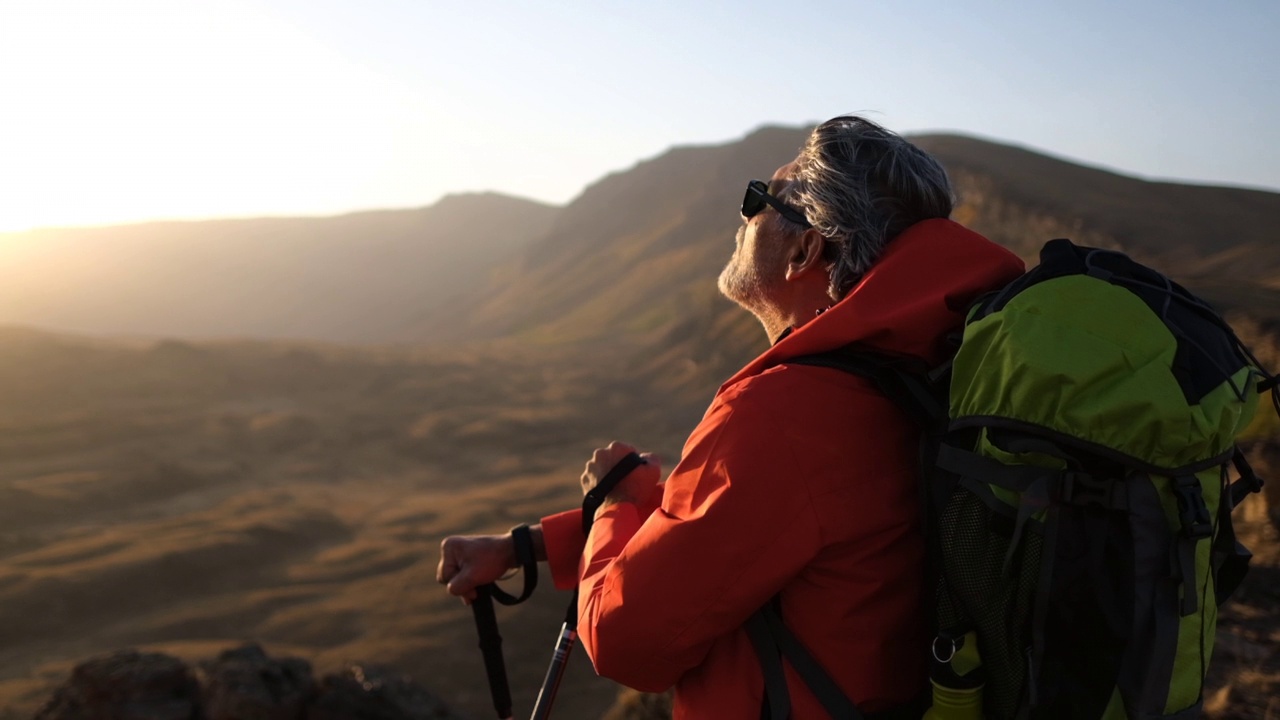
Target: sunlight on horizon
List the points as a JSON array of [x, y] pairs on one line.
[[149, 110], [173, 110], [138, 110]]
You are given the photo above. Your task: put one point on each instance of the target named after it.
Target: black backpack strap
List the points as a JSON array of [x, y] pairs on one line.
[[776, 704], [906, 384], [1248, 483], [1230, 559], [774, 641]]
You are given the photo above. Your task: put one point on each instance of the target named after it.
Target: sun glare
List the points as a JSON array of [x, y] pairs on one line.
[[119, 111]]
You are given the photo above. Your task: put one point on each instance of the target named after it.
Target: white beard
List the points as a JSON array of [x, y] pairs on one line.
[[745, 282]]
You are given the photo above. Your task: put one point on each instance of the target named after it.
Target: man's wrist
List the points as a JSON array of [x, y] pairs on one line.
[[508, 544], [512, 558], [539, 544]]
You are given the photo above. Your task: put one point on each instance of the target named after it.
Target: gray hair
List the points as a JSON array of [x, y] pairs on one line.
[[860, 185]]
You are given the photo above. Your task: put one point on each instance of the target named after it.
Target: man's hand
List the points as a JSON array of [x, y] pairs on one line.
[[469, 561], [634, 488]]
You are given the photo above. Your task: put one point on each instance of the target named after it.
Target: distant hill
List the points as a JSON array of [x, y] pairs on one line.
[[353, 278], [632, 261], [1222, 242]]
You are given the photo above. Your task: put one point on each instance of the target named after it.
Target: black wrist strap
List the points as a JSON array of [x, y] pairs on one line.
[[528, 564], [595, 497]]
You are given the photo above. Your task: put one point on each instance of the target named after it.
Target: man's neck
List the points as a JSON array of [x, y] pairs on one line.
[[791, 307], [776, 325]]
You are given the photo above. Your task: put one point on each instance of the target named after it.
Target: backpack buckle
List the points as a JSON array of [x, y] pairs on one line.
[[1077, 488], [1196, 523]]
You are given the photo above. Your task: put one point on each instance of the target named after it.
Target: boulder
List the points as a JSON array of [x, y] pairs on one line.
[[126, 685], [245, 684], [371, 693], [240, 684]]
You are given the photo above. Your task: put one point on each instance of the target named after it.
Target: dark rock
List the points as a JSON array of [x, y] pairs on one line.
[[241, 684], [635, 705], [371, 693], [126, 685], [245, 684]]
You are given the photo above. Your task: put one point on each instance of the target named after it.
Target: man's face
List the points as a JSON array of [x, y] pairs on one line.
[[755, 272]]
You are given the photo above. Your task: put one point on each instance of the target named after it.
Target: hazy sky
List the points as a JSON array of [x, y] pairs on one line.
[[114, 111]]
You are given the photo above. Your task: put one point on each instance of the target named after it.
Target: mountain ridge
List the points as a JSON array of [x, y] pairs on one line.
[[347, 278], [630, 260]]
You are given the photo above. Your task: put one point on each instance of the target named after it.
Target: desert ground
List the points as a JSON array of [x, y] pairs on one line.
[[185, 498]]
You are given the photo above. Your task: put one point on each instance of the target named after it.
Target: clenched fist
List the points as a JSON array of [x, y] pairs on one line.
[[636, 487], [469, 561]]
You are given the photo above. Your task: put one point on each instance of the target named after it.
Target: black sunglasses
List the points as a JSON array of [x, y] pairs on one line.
[[758, 196]]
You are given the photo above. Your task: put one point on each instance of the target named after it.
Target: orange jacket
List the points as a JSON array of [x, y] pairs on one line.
[[799, 480]]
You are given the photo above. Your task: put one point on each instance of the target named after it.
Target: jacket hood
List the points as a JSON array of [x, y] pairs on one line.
[[916, 293]]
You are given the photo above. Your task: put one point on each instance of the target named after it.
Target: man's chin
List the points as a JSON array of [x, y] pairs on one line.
[[735, 295], [725, 285]]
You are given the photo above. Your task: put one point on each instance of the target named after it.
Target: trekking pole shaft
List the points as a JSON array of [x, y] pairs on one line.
[[555, 673]]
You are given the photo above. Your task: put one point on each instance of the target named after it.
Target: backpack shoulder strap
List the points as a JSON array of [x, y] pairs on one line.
[[910, 385], [773, 641], [912, 388]]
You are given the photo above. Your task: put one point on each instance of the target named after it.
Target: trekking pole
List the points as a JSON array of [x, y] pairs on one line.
[[559, 661], [491, 650], [487, 621], [569, 631]]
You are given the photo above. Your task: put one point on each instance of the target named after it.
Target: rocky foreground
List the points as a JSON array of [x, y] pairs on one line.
[[241, 684]]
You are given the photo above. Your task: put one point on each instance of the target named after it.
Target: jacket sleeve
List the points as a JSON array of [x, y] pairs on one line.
[[562, 536], [658, 590], [563, 539]]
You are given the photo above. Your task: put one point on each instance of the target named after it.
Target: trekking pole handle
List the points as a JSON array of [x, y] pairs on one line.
[[491, 650]]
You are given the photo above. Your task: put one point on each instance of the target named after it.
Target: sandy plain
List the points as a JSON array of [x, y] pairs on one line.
[[187, 497]]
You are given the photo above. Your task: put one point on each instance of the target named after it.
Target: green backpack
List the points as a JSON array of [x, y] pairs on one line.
[[1076, 454]]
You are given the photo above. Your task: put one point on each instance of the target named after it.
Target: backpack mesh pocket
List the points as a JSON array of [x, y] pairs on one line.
[[976, 593]]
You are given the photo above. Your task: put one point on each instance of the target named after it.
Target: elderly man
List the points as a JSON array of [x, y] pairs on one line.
[[799, 485]]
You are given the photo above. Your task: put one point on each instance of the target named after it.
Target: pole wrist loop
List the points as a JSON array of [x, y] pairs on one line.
[[523, 542], [595, 497]]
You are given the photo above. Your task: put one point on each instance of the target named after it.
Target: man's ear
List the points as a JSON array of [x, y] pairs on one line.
[[806, 255]]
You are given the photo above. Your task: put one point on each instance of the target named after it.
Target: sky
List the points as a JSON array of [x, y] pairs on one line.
[[133, 110]]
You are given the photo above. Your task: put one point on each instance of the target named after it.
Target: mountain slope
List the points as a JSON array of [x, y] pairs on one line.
[[630, 262], [351, 278], [633, 260], [1224, 242]]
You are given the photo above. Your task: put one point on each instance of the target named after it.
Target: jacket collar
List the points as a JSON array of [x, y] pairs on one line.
[[917, 292]]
